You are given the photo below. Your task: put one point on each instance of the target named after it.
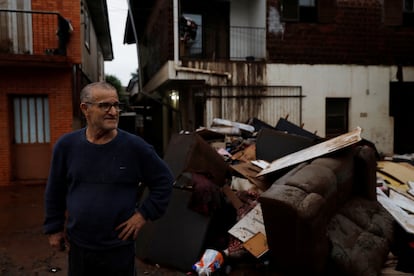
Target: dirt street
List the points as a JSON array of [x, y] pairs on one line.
[[24, 250]]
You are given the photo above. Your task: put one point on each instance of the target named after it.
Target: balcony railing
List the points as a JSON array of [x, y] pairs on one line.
[[236, 43], [33, 33]]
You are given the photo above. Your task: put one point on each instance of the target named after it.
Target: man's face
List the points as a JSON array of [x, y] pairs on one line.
[[100, 112]]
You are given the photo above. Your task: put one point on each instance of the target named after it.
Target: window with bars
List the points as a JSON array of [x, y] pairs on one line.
[[31, 119]]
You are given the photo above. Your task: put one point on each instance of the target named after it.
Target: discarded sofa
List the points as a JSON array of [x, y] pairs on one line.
[[322, 217]]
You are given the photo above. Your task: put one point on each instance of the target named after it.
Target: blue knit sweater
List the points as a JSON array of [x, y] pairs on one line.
[[96, 186]]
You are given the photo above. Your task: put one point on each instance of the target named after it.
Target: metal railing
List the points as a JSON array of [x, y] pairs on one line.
[[236, 43], [33, 32]]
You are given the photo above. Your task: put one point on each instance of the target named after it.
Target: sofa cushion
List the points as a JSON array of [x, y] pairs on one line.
[[369, 215], [315, 179], [360, 234], [296, 229]]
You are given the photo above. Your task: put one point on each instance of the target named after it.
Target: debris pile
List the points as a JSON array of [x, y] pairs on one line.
[[226, 174]]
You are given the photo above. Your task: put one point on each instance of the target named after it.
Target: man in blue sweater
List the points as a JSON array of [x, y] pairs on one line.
[[91, 197]]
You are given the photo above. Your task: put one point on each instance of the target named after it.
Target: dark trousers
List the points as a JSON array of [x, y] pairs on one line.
[[119, 261]]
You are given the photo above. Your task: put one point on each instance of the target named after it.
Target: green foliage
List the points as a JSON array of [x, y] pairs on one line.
[[123, 97], [115, 82]]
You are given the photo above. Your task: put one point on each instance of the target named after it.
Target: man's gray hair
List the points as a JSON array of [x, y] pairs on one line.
[[86, 92]]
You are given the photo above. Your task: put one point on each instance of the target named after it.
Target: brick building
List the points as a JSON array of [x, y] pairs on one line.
[[329, 65], [48, 51]]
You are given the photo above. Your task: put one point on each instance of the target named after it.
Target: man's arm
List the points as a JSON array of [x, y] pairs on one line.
[[159, 180]]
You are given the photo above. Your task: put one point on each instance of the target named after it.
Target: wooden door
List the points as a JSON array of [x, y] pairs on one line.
[[31, 150]]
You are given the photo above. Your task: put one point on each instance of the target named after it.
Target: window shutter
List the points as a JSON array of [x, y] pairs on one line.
[[326, 11], [393, 12]]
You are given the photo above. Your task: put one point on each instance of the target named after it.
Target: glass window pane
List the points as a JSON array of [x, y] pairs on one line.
[[46, 119], [25, 121], [17, 121], [32, 120], [307, 3], [39, 120]]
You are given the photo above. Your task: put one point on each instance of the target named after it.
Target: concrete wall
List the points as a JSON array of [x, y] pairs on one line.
[[367, 87]]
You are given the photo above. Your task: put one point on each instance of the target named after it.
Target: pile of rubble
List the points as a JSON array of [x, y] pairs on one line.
[[227, 181]]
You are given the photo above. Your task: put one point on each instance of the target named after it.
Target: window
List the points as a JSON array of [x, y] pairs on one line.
[[31, 120], [336, 112], [86, 29], [190, 34], [299, 10]]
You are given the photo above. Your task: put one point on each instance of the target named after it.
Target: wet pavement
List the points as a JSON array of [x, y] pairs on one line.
[[24, 249]]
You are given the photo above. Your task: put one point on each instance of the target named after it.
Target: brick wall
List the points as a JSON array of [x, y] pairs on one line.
[[55, 84], [71, 11], [356, 35]]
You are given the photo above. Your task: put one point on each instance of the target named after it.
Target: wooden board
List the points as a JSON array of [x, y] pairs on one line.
[[405, 219], [401, 172], [317, 150]]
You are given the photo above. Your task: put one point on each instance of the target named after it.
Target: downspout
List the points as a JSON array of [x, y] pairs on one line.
[[177, 62]]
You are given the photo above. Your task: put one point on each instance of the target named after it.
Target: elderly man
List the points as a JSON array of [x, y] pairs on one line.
[[91, 198]]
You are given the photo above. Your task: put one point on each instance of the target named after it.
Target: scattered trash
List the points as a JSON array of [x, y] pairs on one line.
[[223, 171], [54, 269], [211, 261]]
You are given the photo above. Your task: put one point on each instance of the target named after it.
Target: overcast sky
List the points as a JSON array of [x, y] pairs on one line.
[[125, 55]]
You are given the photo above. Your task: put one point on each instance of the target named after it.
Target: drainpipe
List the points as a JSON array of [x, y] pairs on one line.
[[176, 34], [177, 62]]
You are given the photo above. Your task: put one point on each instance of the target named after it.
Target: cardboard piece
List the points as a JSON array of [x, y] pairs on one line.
[[257, 245], [246, 155], [317, 150], [402, 173]]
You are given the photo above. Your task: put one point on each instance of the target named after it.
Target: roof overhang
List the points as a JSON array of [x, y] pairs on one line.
[[140, 11], [99, 15]]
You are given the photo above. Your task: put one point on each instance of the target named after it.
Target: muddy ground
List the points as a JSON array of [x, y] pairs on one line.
[[24, 250]]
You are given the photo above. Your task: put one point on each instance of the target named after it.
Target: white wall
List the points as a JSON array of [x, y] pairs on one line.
[[366, 86]]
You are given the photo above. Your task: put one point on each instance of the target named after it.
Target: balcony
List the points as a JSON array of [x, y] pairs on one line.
[[34, 34], [236, 43]]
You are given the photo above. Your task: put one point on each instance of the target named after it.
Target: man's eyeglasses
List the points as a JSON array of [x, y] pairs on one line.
[[105, 106]]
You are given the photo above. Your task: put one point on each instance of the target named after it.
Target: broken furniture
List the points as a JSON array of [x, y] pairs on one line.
[[179, 238], [322, 217]]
